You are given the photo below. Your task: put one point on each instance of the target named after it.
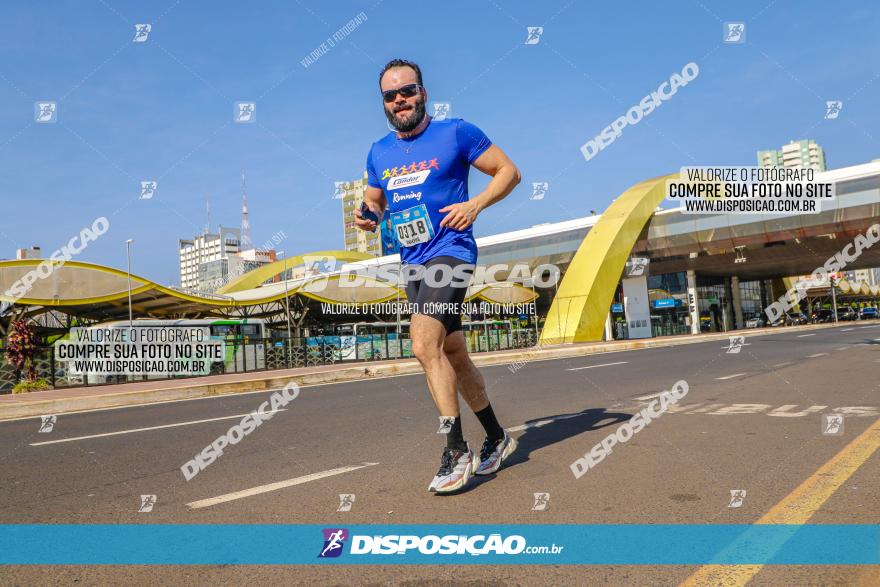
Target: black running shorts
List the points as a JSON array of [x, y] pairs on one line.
[[440, 291]]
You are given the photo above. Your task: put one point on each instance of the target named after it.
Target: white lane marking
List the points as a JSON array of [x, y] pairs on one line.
[[817, 355], [803, 335], [145, 429], [594, 366], [863, 327], [782, 364], [843, 348], [541, 423], [649, 396], [203, 503], [847, 329], [729, 376], [727, 347]]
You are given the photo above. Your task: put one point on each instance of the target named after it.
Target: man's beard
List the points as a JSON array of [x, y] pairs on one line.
[[410, 123]]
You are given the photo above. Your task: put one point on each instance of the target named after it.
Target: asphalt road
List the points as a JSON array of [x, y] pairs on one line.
[[751, 420]]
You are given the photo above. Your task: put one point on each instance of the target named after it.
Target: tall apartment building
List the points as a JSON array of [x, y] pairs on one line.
[[805, 153], [352, 194], [215, 274], [869, 276], [205, 248], [31, 253]]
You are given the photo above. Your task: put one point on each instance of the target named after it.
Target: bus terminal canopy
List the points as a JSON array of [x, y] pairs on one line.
[[96, 292]]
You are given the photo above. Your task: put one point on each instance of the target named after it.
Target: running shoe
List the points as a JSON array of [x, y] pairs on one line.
[[456, 469], [495, 452]]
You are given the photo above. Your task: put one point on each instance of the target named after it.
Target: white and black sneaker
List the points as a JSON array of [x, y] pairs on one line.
[[456, 469], [494, 453]]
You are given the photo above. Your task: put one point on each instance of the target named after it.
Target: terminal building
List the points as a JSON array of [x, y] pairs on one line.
[[633, 271]]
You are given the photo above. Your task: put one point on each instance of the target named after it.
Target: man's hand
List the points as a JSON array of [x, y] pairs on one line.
[[460, 215], [375, 200], [362, 222]]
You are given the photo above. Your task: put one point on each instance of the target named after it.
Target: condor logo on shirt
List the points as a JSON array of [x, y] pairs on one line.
[[402, 181]]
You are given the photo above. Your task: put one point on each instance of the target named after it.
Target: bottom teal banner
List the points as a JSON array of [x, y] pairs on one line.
[[258, 544]]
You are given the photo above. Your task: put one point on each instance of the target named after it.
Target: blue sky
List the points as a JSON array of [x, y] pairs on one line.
[[162, 110]]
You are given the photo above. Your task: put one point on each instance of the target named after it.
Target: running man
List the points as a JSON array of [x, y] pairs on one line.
[[419, 175]]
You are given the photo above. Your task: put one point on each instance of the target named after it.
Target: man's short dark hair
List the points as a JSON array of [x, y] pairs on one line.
[[401, 63]]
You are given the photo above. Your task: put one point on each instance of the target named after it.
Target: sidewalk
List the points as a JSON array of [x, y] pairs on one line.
[[76, 399]]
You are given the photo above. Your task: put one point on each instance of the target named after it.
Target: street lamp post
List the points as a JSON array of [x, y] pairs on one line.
[[286, 306], [833, 282], [128, 258], [537, 334]]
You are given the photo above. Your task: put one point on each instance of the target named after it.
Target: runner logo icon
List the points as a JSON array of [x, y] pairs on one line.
[[636, 266], [736, 344], [47, 423], [542, 500], [446, 424], [334, 541], [734, 32], [832, 424], [346, 500], [832, 109], [737, 497]]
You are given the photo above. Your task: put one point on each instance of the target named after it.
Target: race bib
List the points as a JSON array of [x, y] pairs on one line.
[[412, 226]]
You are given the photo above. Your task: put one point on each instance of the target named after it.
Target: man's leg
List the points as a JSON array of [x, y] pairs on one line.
[[498, 445], [427, 335], [471, 383], [457, 464]]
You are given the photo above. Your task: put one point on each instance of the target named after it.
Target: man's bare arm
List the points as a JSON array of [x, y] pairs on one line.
[[505, 177]]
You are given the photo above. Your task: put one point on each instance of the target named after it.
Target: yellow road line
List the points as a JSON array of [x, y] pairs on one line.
[[799, 505]]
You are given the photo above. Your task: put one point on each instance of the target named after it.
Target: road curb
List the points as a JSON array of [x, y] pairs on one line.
[[358, 372]]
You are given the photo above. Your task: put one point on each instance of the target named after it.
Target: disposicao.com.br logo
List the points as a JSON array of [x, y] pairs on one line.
[[429, 544]]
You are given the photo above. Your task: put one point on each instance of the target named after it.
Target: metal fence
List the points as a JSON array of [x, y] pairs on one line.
[[247, 355]]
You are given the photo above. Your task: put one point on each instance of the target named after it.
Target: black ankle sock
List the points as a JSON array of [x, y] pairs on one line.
[[454, 438], [487, 418]]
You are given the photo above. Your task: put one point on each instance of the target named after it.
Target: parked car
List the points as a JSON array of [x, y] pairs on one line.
[[846, 314], [868, 314], [759, 321], [795, 318]]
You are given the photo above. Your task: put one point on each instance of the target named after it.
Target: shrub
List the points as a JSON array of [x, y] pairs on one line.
[[34, 385], [21, 348]]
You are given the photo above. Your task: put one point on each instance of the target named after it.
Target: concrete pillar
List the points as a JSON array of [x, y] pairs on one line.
[[636, 308], [726, 304], [693, 306], [609, 331], [736, 298]]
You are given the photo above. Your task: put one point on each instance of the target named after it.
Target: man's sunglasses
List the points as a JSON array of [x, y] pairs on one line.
[[407, 91]]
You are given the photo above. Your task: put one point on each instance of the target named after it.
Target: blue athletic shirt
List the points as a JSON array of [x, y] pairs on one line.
[[421, 175]]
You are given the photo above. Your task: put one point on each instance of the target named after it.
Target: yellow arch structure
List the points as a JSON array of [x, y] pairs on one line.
[[584, 298], [254, 278]]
